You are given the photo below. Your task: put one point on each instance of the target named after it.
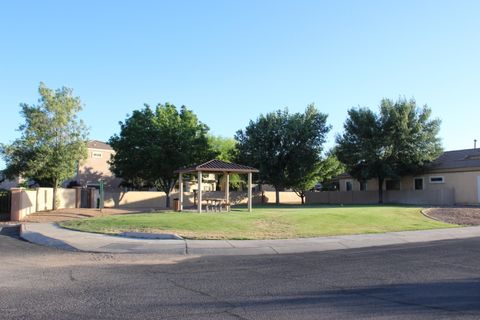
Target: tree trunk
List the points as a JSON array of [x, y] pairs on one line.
[[167, 200], [54, 198], [277, 195], [302, 196], [380, 190]]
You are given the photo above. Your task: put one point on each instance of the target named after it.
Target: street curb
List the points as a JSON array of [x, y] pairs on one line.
[[47, 241], [251, 247], [54, 243], [425, 213]]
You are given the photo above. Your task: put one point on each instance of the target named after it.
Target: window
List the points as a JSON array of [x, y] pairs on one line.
[[363, 186], [96, 154], [348, 185], [418, 183], [437, 179], [393, 184]]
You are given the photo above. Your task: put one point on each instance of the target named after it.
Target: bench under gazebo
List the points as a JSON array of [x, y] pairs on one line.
[[216, 167]]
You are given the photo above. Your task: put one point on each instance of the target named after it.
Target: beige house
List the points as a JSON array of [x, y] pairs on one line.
[[454, 171], [96, 167]]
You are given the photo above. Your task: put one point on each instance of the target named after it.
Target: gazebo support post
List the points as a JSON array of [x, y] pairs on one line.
[[227, 192], [180, 185], [249, 192], [199, 204]]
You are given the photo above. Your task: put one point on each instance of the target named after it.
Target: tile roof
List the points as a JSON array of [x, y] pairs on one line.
[[95, 144], [218, 166], [457, 159]]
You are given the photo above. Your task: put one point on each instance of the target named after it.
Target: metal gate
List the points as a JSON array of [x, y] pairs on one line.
[[5, 203], [84, 201]]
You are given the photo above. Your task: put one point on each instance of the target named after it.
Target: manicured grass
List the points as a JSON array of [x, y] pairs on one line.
[[270, 222]]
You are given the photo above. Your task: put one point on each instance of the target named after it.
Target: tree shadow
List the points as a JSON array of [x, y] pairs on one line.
[[90, 176]]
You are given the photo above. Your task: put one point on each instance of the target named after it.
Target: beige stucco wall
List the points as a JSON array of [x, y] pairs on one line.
[[464, 184], [66, 198], [441, 197], [23, 203], [286, 197], [157, 199], [135, 199]]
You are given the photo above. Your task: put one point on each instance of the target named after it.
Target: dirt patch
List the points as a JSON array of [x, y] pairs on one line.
[[469, 216], [75, 214]]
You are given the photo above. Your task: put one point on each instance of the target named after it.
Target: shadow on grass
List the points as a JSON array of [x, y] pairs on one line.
[[243, 207]]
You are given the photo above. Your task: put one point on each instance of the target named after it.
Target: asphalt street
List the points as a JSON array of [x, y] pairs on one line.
[[435, 280]]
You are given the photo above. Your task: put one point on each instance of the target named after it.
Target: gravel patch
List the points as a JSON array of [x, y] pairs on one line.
[[469, 216]]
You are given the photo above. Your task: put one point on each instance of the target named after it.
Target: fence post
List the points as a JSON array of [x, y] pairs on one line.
[[93, 200], [78, 197]]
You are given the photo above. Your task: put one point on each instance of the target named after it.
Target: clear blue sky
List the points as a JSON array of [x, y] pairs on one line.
[[229, 61]]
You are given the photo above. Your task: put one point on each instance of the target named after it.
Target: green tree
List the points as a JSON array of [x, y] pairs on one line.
[[330, 167], [226, 150], [401, 139], [52, 142], [324, 171], [153, 143], [285, 147]]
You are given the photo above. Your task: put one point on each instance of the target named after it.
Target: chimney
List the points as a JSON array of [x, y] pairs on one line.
[[474, 144]]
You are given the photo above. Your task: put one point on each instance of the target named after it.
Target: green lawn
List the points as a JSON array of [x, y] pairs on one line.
[[270, 222]]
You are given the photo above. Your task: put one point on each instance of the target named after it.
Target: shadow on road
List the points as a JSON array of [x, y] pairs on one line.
[[10, 231]]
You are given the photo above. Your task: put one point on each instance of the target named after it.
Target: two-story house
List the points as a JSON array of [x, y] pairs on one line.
[[96, 167]]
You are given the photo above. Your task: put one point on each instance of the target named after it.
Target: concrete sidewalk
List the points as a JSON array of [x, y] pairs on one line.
[[49, 234]]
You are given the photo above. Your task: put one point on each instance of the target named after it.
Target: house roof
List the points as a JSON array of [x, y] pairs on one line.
[[95, 144], [218, 166], [457, 159]]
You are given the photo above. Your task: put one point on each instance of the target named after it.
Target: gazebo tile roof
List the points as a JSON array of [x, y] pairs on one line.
[[218, 166]]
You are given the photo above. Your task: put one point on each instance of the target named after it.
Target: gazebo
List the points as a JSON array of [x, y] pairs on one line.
[[216, 166]]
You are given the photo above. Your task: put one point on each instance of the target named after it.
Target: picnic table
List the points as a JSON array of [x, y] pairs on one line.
[[216, 204]]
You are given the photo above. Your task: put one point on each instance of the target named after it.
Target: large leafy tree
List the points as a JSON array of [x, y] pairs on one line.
[[154, 142], [52, 142], [285, 147], [401, 139]]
